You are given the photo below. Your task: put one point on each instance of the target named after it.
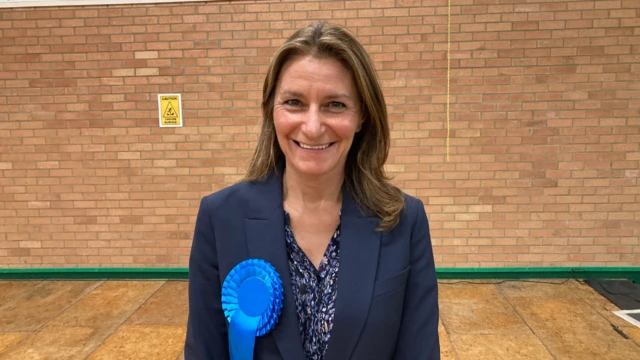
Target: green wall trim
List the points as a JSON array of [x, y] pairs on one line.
[[94, 274], [586, 272], [630, 273]]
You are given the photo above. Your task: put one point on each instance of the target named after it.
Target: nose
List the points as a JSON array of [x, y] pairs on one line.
[[313, 125]]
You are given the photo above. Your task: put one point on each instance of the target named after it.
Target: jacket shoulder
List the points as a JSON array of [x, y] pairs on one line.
[[412, 204], [413, 210], [234, 196]]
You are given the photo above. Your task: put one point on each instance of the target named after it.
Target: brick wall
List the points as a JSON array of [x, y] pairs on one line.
[[544, 124]]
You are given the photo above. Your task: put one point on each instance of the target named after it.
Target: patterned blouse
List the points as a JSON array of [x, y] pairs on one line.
[[314, 291]]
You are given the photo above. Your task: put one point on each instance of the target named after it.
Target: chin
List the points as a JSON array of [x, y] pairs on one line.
[[310, 169]]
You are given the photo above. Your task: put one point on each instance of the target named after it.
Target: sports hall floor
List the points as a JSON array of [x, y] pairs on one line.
[[121, 320]]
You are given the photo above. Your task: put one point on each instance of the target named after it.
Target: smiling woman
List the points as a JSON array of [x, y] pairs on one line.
[[316, 115], [353, 251], [364, 167]]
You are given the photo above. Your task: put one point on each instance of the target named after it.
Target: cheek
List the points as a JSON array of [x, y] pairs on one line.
[[346, 129], [282, 123], [285, 127]]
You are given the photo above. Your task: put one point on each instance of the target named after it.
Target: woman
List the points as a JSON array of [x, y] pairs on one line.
[[353, 252]]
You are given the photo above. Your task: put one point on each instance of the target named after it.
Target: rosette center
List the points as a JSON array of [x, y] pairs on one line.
[[254, 296]]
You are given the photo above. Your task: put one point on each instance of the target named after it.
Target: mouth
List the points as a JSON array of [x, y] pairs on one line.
[[313, 147]]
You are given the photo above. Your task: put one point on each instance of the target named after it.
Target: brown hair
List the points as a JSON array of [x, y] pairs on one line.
[[364, 170]]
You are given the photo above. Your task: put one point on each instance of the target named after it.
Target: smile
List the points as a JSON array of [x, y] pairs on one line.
[[313, 147]]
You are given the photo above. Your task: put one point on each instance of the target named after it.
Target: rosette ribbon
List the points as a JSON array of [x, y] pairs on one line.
[[252, 301]]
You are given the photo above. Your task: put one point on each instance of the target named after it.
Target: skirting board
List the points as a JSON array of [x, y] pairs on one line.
[[629, 273]]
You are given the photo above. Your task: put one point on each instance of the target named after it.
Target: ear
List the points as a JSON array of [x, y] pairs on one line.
[[360, 124], [361, 121]]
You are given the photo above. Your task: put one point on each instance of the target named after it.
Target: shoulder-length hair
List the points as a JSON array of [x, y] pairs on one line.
[[364, 170]]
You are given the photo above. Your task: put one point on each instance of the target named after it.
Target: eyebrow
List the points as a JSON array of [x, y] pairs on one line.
[[297, 94]]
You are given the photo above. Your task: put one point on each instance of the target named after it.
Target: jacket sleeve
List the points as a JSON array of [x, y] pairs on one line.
[[206, 337], [418, 337]]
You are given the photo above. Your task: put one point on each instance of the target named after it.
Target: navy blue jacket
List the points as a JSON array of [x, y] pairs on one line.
[[387, 300]]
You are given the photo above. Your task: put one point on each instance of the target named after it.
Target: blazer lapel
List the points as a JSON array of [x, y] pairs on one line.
[[359, 248], [266, 240]]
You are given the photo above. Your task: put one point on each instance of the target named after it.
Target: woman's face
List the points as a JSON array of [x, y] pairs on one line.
[[316, 115]]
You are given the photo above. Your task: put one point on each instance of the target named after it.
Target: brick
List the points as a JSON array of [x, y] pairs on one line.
[[542, 111], [146, 55]]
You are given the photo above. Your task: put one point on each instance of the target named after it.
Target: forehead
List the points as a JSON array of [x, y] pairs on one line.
[[311, 72]]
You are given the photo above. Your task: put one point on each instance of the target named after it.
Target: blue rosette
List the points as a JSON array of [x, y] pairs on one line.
[[252, 301]]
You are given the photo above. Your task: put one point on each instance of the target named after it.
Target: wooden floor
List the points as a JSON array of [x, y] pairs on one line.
[[120, 320]]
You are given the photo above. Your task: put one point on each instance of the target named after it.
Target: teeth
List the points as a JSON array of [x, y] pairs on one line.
[[310, 147]]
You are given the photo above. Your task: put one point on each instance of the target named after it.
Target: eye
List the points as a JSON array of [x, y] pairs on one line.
[[337, 105], [292, 102]]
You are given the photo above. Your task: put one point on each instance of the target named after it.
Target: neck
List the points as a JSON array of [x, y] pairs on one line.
[[312, 192]]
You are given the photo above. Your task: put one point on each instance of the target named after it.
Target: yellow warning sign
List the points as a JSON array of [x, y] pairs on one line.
[[170, 110]]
